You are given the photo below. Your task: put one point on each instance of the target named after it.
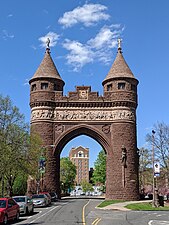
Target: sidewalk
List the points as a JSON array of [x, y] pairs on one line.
[[121, 206]]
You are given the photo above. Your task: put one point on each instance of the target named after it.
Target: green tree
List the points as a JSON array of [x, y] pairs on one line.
[[161, 146], [145, 163], [15, 145], [86, 187], [99, 174], [34, 150], [67, 174], [20, 184], [13, 131]]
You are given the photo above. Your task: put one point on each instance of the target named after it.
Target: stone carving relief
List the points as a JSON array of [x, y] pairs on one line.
[[83, 94], [59, 128], [82, 115], [42, 114], [106, 129]]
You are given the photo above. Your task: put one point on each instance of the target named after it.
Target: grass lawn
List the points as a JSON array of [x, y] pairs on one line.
[[143, 206], [109, 202], [146, 207]]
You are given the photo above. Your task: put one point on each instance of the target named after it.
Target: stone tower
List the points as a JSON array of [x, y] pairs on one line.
[[120, 88], [46, 85], [109, 119]]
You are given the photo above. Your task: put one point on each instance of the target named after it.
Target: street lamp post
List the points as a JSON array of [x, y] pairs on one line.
[[155, 191], [43, 165], [153, 133]]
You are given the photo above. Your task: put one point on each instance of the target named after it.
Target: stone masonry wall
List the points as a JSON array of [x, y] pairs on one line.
[[122, 183]]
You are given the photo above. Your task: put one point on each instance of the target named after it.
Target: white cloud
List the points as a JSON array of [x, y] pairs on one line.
[[107, 37], [97, 49], [26, 82], [54, 37], [79, 54], [10, 15], [33, 47], [6, 35], [88, 14]]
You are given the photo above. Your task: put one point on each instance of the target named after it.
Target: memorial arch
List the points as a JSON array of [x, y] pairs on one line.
[[109, 119]]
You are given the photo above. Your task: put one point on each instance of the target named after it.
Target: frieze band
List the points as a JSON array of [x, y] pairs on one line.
[[82, 115]]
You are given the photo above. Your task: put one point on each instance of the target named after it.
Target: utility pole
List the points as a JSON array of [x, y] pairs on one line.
[[153, 133], [155, 202]]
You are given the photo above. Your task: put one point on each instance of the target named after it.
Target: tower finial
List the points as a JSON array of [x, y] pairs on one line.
[[47, 45], [119, 40], [47, 42]]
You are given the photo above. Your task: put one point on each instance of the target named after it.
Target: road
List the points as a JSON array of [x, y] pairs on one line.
[[83, 212]]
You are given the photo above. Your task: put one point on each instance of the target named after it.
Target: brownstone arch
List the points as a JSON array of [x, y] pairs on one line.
[[109, 119], [82, 129]]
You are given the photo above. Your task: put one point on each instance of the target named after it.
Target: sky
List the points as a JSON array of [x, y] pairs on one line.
[[83, 42]]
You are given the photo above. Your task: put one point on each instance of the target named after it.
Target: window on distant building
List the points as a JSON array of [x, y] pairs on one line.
[[80, 154]]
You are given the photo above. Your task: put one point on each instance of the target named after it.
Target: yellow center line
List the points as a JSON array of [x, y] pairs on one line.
[[83, 213], [97, 221]]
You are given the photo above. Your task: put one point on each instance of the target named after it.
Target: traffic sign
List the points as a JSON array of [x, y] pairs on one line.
[[156, 168]]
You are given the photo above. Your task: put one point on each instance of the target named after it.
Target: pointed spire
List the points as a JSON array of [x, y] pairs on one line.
[[47, 68], [119, 69]]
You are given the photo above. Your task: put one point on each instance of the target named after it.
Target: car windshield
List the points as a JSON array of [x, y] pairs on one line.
[[19, 199], [38, 196], [2, 204]]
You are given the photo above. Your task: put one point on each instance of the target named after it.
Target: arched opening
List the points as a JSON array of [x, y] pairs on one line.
[[86, 142], [88, 135], [78, 130], [82, 152]]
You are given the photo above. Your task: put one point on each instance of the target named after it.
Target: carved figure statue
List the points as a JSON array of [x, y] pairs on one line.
[[124, 155]]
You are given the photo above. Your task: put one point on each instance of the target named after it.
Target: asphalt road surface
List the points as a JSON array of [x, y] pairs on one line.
[[83, 212]]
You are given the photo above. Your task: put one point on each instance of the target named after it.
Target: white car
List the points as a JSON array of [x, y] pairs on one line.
[[40, 200], [25, 204]]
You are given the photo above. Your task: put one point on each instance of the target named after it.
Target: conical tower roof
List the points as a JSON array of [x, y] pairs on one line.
[[119, 69], [47, 68]]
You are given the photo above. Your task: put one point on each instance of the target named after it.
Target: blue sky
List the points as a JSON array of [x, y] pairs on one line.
[[83, 46]]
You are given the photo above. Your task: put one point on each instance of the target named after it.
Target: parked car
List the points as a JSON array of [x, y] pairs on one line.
[[9, 210], [40, 200], [54, 196], [49, 197], [25, 204]]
